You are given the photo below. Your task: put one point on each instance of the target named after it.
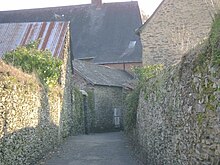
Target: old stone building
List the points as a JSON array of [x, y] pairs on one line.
[[105, 87], [174, 28]]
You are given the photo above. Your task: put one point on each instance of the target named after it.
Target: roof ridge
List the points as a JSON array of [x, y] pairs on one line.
[[139, 30]]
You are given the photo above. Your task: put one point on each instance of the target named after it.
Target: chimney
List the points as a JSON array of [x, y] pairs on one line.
[[97, 3]]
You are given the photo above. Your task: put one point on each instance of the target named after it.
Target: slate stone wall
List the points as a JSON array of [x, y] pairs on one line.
[[29, 125], [106, 99], [175, 28], [101, 102], [179, 113], [33, 119]]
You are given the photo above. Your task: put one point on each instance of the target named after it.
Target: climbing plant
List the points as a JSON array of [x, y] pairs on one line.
[[214, 41], [91, 107], [78, 127], [30, 59], [131, 105], [146, 72], [132, 99]]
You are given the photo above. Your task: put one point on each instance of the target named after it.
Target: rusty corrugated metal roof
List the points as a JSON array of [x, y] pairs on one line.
[[51, 35]]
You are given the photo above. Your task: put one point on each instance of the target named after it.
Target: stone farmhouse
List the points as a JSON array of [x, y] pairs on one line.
[[175, 28], [102, 33], [106, 87]]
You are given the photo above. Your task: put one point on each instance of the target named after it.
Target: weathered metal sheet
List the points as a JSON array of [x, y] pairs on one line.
[[51, 34]]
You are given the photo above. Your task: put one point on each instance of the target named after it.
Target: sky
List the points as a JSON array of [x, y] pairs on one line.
[[148, 6]]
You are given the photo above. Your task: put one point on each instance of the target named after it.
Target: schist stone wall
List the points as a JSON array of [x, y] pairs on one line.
[[33, 119], [107, 99], [179, 113]]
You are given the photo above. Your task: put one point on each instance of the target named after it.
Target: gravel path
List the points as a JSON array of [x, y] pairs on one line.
[[94, 149]]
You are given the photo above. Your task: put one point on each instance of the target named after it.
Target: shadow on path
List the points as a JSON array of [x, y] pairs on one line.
[[93, 149]]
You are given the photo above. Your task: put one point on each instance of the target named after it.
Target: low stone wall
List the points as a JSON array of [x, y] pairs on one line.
[[179, 113]]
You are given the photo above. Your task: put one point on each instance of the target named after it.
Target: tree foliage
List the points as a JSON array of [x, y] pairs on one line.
[[132, 99], [30, 59], [146, 72]]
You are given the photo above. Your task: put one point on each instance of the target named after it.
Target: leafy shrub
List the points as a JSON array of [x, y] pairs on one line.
[[131, 105], [132, 99], [30, 59], [147, 72], [214, 41], [78, 114]]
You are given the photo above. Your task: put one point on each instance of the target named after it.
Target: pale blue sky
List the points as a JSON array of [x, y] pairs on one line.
[[148, 6]]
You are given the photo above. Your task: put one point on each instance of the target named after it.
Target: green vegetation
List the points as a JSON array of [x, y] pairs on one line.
[[147, 72], [78, 112], [131, 104], [214, 41], [200, 118], [91, 107], [208, 63], [132, 99], [30, 59]]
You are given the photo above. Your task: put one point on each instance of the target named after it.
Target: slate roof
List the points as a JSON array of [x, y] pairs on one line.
[[51, 34], [104, 34], [101, 75]]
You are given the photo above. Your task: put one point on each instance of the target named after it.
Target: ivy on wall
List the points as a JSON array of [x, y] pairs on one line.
[[214, 41], [78, 114], [132, 99], [147, 72], [91, 108]]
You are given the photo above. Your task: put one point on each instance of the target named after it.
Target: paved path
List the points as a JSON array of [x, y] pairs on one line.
[[95, 149]]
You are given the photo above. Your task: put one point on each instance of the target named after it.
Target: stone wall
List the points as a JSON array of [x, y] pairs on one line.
[[175, 28], [101, 102], [179, 113], [78, 113], [33, 119], [29, 127], [106, 99]]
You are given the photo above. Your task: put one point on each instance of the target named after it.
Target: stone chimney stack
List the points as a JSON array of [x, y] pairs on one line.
[[97, 3]]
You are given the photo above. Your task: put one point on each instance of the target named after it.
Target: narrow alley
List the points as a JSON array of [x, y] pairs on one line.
[[94, 149]]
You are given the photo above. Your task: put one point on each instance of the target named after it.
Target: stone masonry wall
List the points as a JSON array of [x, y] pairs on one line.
[[175, 28], [106, 99], [101, 102], [33, 119], [29, 127], [179, 113]]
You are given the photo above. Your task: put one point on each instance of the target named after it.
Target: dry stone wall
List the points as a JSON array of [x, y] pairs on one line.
[[27, 129], [175, 28], [179, 113], [33, 119], [106, 100]]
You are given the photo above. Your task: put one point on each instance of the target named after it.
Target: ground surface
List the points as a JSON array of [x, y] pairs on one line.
[[94, 149]]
